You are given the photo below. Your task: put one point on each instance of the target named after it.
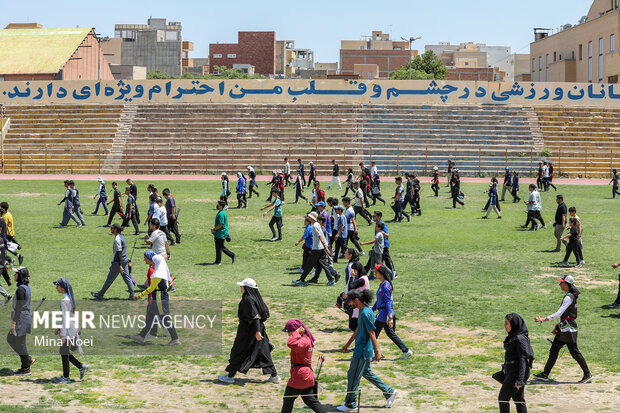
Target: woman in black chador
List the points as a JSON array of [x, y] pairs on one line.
[[517, 364], [252, 348]]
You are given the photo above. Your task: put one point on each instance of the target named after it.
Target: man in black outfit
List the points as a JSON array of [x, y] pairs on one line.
[[560, 221], [116, 206], [130, 212], [172, 213], [335, 176], [134, 193]]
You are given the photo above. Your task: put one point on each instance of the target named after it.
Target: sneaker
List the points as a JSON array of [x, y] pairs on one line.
[[391, 399], [61, 380], [273, 379], [499, 217], [83, 371], [234, 257], [582, 262], [137, 338], [541, 377], [313, 281], [20, 258], [22, 372], [537, 227], [544, 227], [578, 265], [362, 253], [563, 264], [406, 355], [78, 225], [484, 217], [394, 275], [299, 283], [132, 297], [175, 342], [274, 239], [150, 337], [300, 270], [331, 283], [97, 295], [586, 378], [61, 226], [106, 226], [172, 289], [408, 218], [337, 278], [346, 408], [7, 299], [226, 379], [32, 360], [523, 226], [613, 306]]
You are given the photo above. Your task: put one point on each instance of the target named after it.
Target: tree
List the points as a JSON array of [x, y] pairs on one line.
[[226, 73], [158, 74], [424, 67]]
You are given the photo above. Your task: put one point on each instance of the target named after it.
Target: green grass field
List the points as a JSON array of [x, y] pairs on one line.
[[458, 276]]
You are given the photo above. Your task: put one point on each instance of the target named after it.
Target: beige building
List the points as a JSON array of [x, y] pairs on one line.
[[586, 52], [291, 61]]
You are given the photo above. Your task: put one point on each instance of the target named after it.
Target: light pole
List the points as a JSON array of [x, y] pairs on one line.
[[99, 40], [411, 40]]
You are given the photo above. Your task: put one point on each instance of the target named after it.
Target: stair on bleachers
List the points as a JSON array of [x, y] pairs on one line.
[[583, 141], [59, 138]]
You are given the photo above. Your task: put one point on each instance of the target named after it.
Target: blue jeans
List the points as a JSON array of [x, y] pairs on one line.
[[114, 271], [360, 367], [101, 201]]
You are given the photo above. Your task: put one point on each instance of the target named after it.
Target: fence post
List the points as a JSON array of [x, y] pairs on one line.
[[261, 158], [585, 173], [370, 153], [479, 171], [180, 157], [71, 162], [153, 158], [45, 158], [20, 160], [559, 161], [397, 160], [531, 159], [426, 160], [207, 160], [506, 158], [233, 156], [100, 154]]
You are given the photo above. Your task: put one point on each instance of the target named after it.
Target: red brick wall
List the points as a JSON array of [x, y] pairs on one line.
[[255, 48], [19, 78], [83, 63], [387, 60], [473, 73]]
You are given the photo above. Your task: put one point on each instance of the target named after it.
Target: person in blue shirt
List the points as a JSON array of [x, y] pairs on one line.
[[515, 187], [241, 191], [312, 174], [493, 201], [307, 247], [386, 318], [365, 341], [507, 182]]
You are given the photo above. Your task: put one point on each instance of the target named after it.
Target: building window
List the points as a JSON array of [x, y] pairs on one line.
[[600, 59], [612, 42], [232, 56], [555, 57], [612, 79], [589, 61], [533, 70], [547, 68], [217, 56], [370, 75], [580, 52], [540, 68]]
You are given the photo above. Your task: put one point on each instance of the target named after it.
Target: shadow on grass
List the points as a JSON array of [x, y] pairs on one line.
[[549, 383], [206, 263], [334, 330], [611, 316], [5, 372], [238, 382], [549, 251]]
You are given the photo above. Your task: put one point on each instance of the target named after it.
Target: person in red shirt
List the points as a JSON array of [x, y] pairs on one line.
[[301, 383]]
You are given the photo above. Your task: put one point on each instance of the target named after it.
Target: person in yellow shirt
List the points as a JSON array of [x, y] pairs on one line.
[[12, 245]]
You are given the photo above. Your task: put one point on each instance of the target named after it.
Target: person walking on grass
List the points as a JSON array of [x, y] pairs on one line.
[[103, 197], [76, 202], [252, 348], [386, 319], [616, 303], [435, 181], [130, 212], [225, 188], [614, 180], [161, 214], [172, 213], [10, 241], [455, 188], [307, 247], [302, 382], [68, 333], [492, 201], [220, 234], [375, 256], [158, 307], [241, 191], [119, 264], [565, 331], [318, 254], [359, 203], [299, 188], [518, 359], [534, 206], [348, 184], [335, 176], [574, 245], [342, 233], [117, 206], [375, 190], [134, 191], [21, 321], [67, 212], [252, 184], [507, 183], [515, 187], [398, 203], [377, 217], [560, 221], [3, 261], [357, 280], [287, 172], [276, 219], [365, 341], [312, 175]]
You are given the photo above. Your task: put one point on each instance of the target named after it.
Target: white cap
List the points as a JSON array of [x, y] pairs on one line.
[[568, 279], [248, 282], [435, 168], [100, 179], [224, 174]]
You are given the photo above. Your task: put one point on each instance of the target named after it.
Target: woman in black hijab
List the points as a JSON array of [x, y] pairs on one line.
[[252, 348], [21, 321], [517, 363]]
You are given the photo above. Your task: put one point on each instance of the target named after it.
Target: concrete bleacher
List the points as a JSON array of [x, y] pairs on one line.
[[583, 141], [59, 138]]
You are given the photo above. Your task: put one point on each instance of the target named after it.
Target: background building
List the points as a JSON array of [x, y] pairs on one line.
[[252, 48], [586, 52], [291, 61], [378, 50], [30, 52], [157, 46]]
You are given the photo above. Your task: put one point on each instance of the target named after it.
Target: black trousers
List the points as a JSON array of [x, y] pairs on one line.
[[113, 211], [351, 237], [317, 258], [455, 199], [299, 194], [547, 183], [515, 196], [576, 249], [415, 204], [134, 221], [363, 212], [387, 260], [532, 216], [159, 307], [252, 189], [67, 357], [307, 395], [219, 248], [305, 255], [554, 351], [173, 227], [435, 188], [509, 391], [165, 230], [277, 221], [241, 201], [379, 325], [341, 247], [375, 197], [18, 344]]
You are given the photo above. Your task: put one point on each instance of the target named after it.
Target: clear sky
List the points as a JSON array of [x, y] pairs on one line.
[[316, 24]]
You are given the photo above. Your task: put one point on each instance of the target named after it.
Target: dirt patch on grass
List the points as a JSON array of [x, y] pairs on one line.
[[27, 194]]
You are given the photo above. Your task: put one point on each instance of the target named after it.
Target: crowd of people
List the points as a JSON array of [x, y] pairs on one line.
[[329, 226]]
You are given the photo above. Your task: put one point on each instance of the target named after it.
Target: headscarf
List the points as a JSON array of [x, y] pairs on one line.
[[149, 254], [573, 290], [239, 175], [22, 275], [519, 332], [66, 285], [254, 295], [354, 257], [294, 324]]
